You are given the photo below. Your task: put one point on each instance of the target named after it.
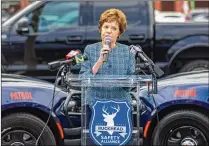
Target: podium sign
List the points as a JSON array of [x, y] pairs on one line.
[[111, 122], [108, 121]]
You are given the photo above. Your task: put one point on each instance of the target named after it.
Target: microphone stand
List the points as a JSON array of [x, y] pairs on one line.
[[154, 77], [66, 69], [155, 71]]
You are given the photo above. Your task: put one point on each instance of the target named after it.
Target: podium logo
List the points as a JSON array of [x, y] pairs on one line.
[[111, 123], [108, 118]]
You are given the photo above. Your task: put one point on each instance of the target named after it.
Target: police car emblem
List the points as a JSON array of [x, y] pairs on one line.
[[111, 123]]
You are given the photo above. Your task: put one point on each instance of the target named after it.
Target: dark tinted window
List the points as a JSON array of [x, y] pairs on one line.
[[53, 15], [136, 11]]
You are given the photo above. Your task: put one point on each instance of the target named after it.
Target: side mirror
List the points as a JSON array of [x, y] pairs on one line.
[[23, 26]]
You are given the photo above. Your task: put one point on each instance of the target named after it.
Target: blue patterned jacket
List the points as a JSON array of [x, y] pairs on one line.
[[120, 62]]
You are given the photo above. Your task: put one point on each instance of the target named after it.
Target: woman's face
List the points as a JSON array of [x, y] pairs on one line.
[[111, 29]]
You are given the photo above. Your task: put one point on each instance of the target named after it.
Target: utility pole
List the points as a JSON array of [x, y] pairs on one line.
[[192, 4]]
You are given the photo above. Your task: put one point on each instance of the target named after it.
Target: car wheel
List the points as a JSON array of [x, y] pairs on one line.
[[24, 129], [195, 66], [182, 128]]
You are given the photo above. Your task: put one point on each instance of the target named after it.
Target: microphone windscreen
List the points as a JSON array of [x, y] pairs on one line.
[[133, 50], [72, 53], [79, 59], [108, 40]]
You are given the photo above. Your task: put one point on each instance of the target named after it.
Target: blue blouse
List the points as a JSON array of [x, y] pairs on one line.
[[120, 62]]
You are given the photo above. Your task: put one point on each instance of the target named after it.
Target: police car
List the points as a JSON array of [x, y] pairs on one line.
[[177, 115]]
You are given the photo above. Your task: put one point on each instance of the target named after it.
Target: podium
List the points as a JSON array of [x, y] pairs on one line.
[[106, 108]]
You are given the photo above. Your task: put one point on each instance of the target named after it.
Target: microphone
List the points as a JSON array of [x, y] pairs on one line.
[[147, 60], [108, 41], [75, 60], [72, 53], [143, 56], [155, 70]]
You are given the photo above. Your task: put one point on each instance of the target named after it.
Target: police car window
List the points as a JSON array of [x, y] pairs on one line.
[[135, 11], [54, 15]]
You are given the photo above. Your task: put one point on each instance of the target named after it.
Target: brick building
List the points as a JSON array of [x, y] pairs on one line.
[[12, 6], [161, 5], [178, 5]]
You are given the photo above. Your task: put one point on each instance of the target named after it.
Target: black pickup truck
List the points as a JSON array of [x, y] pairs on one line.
[[46, 31]]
